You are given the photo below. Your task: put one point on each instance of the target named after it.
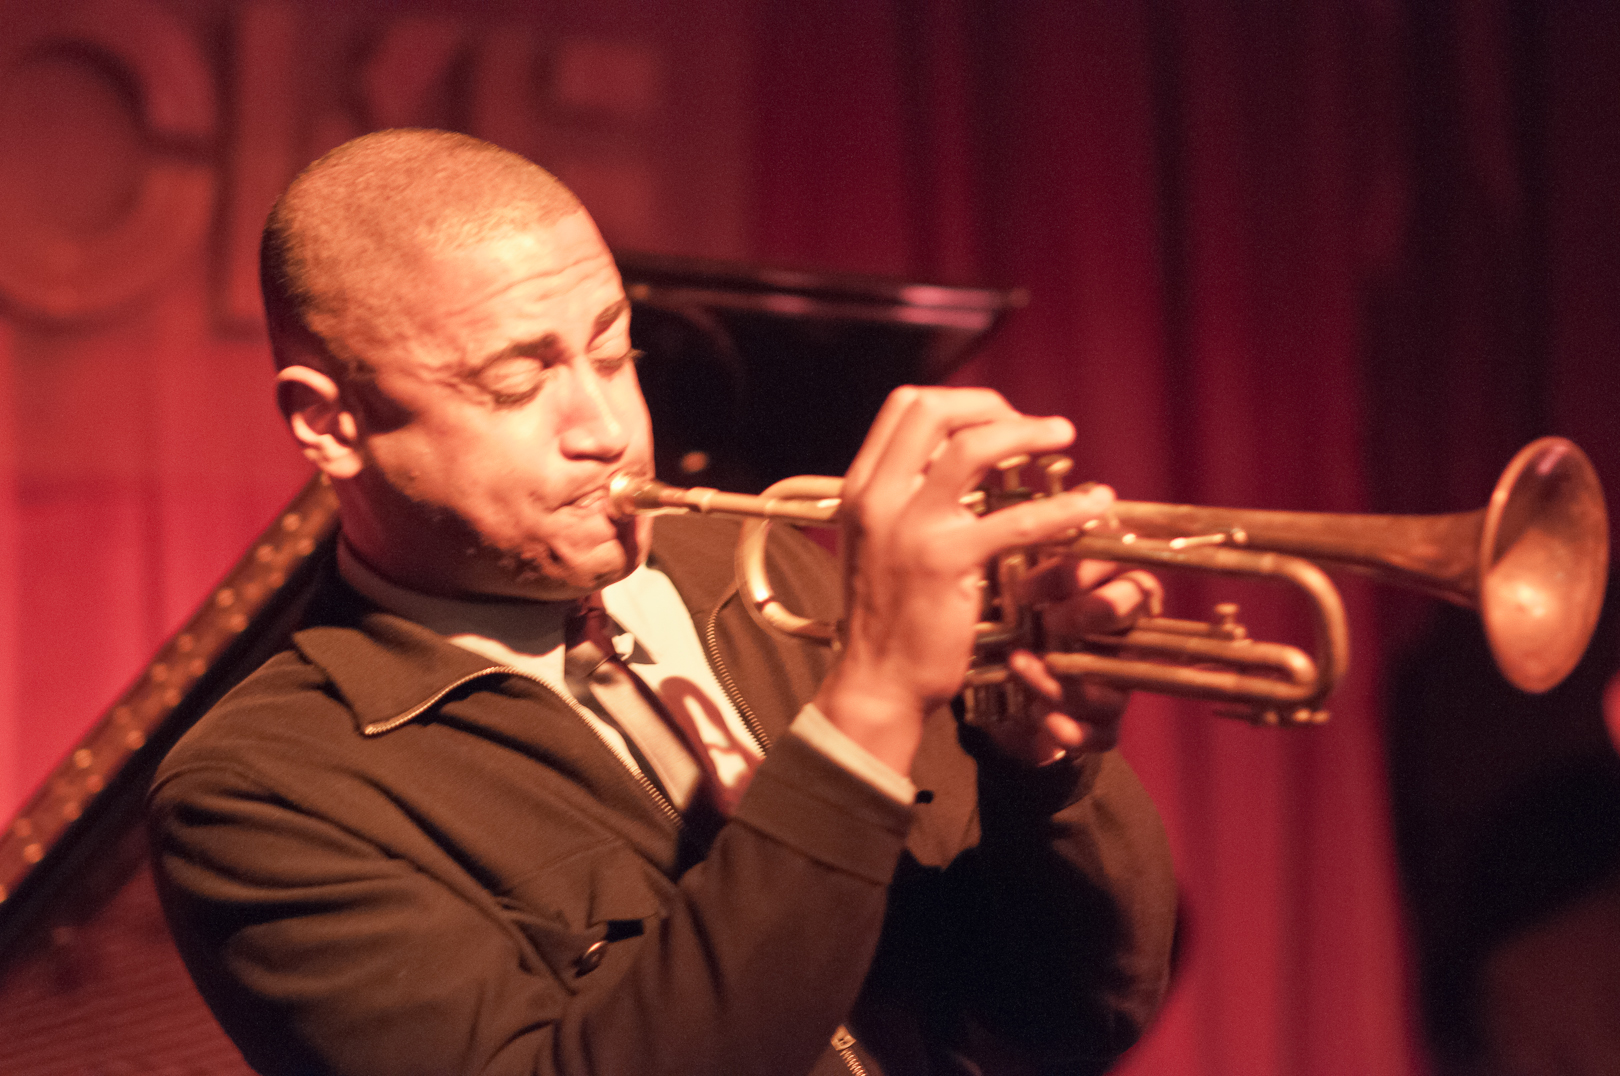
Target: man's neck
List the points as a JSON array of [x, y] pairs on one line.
[[526, 626]]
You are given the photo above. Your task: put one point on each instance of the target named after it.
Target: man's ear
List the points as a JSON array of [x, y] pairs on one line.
[[324, 428]]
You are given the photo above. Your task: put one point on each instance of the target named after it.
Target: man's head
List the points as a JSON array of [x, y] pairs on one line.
[[453, 341]]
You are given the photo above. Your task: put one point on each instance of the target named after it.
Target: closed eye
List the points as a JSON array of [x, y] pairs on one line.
[[515, 377], [513, 380], [610, 366]]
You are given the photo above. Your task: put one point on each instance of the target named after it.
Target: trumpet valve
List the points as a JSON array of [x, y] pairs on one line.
[[1225, 625], [1011, 470], [1054, 469]]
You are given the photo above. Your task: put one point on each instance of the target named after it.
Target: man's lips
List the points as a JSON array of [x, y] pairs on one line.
[[590, 499], [601, 495], [598, 500]]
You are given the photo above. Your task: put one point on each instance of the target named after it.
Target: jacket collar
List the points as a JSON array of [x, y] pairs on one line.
[[389, 669]]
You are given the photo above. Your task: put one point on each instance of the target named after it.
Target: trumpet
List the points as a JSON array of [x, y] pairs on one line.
[[1533, 563]]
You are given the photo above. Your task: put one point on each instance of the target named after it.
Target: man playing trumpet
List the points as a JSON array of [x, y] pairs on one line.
[[531, 791]]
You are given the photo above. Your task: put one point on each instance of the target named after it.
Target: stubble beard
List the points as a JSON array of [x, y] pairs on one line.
[[553, 559], [538, 570]]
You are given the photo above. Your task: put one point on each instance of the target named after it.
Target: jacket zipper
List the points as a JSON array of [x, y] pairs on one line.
[[842, 1040], [711, 646], [658, 798], [844, 1043]]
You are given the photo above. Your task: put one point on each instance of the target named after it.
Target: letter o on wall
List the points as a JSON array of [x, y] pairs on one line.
[[107, 124]]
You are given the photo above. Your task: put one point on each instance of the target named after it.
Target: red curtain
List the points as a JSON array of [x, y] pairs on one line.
[[1340, 257], [10, 766]]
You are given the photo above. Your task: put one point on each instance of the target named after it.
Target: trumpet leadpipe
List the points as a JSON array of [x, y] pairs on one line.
[[811, 499]]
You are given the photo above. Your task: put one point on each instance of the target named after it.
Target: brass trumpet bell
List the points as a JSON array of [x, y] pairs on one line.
[[1533, 562]]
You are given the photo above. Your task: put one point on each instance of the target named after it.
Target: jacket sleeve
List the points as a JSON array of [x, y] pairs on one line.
[[322, 952], [1040, 942], [1029, 925]]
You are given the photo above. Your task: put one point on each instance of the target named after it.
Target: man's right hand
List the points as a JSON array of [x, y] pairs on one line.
[[914, 556]]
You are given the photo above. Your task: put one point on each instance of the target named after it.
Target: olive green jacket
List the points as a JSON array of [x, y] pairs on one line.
[[383, 854]]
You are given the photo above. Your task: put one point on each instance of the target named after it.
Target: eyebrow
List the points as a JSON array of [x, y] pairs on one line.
[[610, 314], [532, 348], [521, 349]]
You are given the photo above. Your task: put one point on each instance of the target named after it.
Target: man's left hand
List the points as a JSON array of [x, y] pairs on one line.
[[1071, 716]]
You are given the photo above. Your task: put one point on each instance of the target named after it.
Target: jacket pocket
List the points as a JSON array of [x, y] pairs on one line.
[[580, 910]]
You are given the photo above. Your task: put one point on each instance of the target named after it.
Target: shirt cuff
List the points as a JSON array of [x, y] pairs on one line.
[[813, 727]]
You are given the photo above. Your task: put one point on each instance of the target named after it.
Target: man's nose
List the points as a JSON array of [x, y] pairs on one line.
[[591, 426]]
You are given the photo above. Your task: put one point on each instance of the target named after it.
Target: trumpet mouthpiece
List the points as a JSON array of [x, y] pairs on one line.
[[621, 493]]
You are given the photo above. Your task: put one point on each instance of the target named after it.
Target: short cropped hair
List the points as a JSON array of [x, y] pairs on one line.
[[344, 230]]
